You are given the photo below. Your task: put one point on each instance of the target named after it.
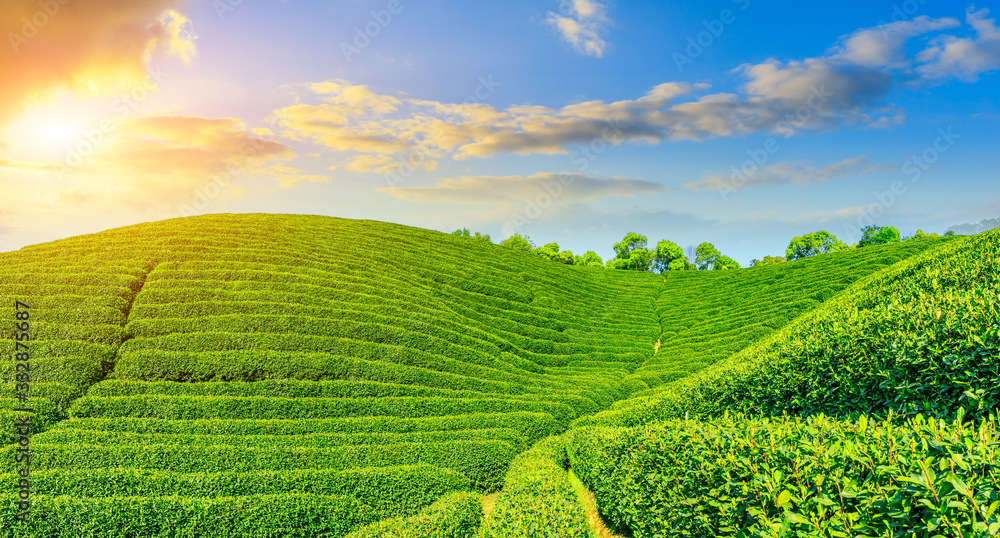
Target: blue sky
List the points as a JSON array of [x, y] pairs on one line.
[[572, 121]]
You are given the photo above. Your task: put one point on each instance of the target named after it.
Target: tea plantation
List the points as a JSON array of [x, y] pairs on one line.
[[302, 376]]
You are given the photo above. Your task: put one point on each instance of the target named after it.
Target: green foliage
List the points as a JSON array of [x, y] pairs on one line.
[[533, 426], [389, 491], [538, 500], [709, 257], [457, 515], [920, 234], [630, 242], [723, 312], [878, 235], [591, 259], [265, 516], [234, 407], [519, 242], [813, 244], [768, 260], [795, 477], [725, 262], [483, 462], [464, 232], [668, 256], [631, 254], [551, 252], [919, 338], [268, 356]]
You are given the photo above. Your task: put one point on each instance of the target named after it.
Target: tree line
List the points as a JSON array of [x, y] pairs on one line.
[[633, 253]]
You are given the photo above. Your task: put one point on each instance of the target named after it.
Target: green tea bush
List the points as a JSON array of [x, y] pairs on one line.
[[457, 515], [199, 407], [389, 491], [534, 426], [265, 516], [538, 499], [791, 476], [484, 462]]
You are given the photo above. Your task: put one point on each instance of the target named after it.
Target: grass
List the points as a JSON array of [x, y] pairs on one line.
[[294, 351]]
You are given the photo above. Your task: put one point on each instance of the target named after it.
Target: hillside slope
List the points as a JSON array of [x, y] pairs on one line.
[[278, 375], [905, 361]]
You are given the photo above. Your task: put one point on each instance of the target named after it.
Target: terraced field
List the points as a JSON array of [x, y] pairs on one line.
[[277, 375]]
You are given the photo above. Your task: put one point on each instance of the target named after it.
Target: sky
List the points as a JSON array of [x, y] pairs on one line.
[[742, 123]]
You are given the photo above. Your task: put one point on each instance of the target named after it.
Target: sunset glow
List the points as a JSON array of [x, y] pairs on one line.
[[690, 120]]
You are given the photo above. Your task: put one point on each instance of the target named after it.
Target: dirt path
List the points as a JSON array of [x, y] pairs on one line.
[[597, 523], [488, 502]]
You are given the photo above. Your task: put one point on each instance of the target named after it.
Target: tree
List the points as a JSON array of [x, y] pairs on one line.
[[632, 254], [464, 232], [630, 242], [590, 259], [639, 259], [519, 242], [812, 244], [768, 260], [705, 256], [550, 251], [878, 235], [725, 262], [921, 235], [668, 256]]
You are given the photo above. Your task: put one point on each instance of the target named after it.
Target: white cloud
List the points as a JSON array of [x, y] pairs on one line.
[[581, 25], [563, 188], [851, 85], [963, 58], [796, 173]]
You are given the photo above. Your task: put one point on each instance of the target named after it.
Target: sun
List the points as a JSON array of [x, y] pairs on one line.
[[49, 129]]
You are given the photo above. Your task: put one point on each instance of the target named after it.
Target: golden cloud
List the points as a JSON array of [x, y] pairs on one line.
[[96, 46], [156, 161]]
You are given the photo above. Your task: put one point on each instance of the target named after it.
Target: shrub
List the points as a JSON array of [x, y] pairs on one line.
[[264, 516], [538, 500], [456, 515], [794, 477]]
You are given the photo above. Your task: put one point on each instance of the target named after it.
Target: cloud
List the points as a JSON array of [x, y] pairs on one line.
[[289, 176], [784, 173], [851, 85], [581, 25], [89, 47], [160, 161], [962, 57], [563, 188], [833, 215], [385, 164], [884, 45]]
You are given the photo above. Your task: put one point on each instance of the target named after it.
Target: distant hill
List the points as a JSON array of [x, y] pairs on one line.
[[984, 225]]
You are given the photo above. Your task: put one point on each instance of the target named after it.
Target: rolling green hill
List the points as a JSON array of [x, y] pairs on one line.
[[279, 375]]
